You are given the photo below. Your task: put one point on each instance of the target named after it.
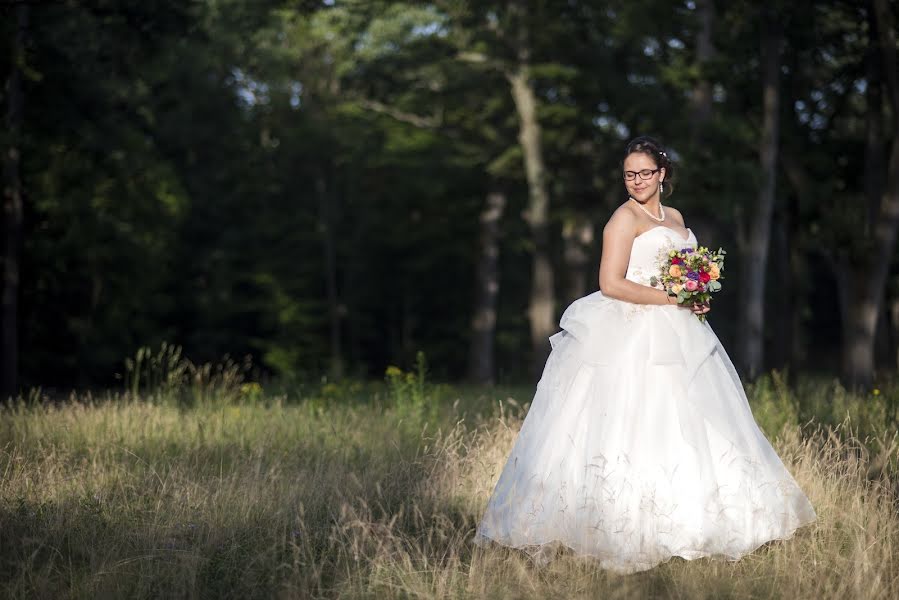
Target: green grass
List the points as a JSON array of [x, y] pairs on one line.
[[213, 488]]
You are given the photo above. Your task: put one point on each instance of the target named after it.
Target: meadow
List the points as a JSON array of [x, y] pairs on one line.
[[191, 482]]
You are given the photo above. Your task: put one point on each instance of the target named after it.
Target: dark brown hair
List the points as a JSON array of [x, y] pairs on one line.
[[654, 150]]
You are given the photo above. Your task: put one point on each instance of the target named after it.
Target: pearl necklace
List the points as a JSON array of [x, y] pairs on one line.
[[652, 216]]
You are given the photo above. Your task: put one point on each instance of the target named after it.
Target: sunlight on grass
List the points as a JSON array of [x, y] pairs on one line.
[[245, 494]]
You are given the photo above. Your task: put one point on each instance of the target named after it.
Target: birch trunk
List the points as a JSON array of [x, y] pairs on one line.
[[541, 311], [542, 301]]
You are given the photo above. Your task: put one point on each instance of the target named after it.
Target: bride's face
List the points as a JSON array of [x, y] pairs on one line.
[[639, 188]]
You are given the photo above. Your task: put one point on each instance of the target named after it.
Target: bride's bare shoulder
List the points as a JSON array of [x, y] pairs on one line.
[[676, 214], [623, 219]]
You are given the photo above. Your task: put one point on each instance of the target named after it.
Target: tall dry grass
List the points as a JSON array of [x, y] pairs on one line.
[[361, 492]]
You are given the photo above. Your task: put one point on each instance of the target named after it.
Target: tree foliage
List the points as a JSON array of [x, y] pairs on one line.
[[302, 182]]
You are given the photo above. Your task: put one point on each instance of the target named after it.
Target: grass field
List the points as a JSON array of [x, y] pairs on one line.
[[372, 490]]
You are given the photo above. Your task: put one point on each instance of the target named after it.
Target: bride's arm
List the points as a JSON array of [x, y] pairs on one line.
[[617, 238]]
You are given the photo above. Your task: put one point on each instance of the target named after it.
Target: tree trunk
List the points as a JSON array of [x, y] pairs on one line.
[[577, 235], [865, 300], [875, 163], [326, 224], [883, 348], [894, 317], [864, 303], [858, 313], [755, 255], [13, 213], [782, 319], [481, 363], [798, 267], [542, 302], [541, 311], [701, 100]]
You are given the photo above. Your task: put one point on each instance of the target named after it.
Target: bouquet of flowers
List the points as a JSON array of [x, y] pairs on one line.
[[691, 275]]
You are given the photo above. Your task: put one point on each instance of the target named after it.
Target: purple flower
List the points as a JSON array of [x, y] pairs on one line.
[[694, 275], [687, 250]]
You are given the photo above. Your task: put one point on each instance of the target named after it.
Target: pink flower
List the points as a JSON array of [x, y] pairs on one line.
[[691, 285]]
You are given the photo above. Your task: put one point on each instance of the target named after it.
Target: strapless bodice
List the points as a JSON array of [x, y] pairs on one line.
[[648, 247]]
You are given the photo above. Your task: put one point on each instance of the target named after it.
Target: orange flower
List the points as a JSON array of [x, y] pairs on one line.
[[714, 272], [675, 271]]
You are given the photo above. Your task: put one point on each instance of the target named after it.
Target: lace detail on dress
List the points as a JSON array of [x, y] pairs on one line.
[[644, 264], [631, 519]]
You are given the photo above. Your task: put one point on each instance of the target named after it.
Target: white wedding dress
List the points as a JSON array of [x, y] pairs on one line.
[[639, 444]]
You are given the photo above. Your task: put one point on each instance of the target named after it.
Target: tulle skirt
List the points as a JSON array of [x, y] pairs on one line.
[[640, 445]]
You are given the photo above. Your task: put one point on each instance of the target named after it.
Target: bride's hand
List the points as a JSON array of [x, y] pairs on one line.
[[700, 308], [697, 308]]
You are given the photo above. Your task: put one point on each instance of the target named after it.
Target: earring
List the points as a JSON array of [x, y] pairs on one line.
[[661, 187]]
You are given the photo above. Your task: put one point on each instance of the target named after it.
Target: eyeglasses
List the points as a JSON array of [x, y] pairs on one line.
[[644, 174]]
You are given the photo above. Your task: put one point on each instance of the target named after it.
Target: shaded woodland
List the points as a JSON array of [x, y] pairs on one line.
[[330, 187]]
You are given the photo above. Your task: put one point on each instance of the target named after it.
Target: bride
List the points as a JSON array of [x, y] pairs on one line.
[[639, 444]]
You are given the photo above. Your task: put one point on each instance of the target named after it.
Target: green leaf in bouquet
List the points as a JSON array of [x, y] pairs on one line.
[[714, 286]]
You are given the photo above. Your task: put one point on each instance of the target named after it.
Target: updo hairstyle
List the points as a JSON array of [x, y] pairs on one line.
[[654, 150]]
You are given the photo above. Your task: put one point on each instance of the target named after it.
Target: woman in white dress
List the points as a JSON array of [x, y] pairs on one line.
[[639, 444]]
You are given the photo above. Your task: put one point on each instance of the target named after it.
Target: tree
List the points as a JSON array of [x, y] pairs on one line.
[[864, 285], [756, 244], [543, 300], [481, 355], [847, 113], [13, 210]]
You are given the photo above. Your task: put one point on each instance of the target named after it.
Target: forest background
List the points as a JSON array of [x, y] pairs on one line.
[[330, 187], [259, 258]]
